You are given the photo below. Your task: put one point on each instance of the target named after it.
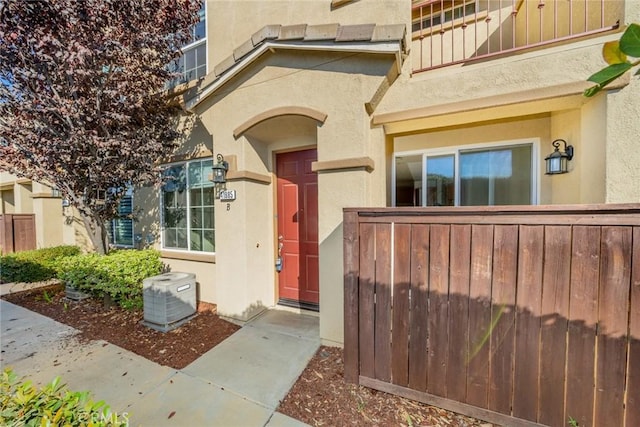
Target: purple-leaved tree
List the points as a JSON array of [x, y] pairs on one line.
[[82, 100]]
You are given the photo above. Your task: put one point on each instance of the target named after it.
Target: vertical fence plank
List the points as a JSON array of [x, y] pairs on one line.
[[632, 416], [419, 307], [7, 234], [351, 270], [438, 310], [24, 232], [528, 305], [613, 311], [505, 265], [583, 316], [459, 312], [367, 305], [383, 303], [479, 315], [400, 307], [555, 311]]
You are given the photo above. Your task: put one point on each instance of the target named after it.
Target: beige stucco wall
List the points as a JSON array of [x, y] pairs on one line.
[[231, 22], [623, 146]]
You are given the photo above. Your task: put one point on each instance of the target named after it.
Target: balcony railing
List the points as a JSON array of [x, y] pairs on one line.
[[447, 32]]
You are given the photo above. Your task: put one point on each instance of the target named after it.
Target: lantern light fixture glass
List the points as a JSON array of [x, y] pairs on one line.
[[557, 162]]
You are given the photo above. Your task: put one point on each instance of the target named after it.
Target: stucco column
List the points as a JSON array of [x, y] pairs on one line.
[[622, 133], [244, 269]]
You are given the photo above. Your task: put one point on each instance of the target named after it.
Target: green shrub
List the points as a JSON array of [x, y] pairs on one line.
[[22, 404], [34, 266], [118, 274]]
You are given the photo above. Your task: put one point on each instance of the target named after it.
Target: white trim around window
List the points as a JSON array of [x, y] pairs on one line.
[[423, 155], [187, 213]]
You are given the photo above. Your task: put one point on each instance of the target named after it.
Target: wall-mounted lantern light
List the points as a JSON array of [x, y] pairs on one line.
[[557, 161], [219, 176], [220, 170]]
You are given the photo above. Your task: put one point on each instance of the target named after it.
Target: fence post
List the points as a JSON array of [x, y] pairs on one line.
[[6, 235], [351, 268]]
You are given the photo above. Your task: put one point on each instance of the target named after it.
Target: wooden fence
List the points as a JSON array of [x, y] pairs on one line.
[[17, 233], [519, 316]]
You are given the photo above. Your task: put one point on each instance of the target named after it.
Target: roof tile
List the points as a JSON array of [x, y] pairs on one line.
[[321, 32], [266, 32], [292, 32], [383, 33], [350, 33], [243, 49], [223, 66]]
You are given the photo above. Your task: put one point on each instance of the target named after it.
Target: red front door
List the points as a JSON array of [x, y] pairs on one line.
[[298, 228]]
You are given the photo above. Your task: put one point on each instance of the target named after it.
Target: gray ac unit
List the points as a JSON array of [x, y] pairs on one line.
[[169, 300]]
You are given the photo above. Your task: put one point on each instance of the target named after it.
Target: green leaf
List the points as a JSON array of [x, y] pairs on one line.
[[606, 76], [610, 73], [612, 54], [630, 41]]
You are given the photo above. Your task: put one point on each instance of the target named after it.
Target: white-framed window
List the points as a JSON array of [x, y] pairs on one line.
[[192, 64], [471, 175], [440, 13], [187, 198], [120, 230]]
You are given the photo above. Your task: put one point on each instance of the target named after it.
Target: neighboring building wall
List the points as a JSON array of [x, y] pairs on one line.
[[55, 225]]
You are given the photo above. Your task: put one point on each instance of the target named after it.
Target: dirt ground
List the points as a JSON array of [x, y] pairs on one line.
[[320, 397]]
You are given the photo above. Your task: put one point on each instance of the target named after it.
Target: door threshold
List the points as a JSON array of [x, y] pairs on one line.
[[302, 305]]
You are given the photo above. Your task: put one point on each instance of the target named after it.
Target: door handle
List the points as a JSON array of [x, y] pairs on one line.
[[280, 245]]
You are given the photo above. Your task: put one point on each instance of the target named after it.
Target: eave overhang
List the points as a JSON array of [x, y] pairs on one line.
[[369, 39]]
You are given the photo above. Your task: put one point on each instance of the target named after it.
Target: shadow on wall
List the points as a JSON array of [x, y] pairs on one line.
[[536, 365], [254, 310], [197, 143]]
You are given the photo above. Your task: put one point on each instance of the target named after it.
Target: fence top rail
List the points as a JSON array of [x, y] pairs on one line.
[[628, 213]]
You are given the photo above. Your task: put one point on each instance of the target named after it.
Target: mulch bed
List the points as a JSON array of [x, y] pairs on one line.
[[320, 397], [176, 348]]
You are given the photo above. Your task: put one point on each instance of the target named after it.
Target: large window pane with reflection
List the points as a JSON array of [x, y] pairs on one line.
[[409, 180], [496, 177], [441, 180]]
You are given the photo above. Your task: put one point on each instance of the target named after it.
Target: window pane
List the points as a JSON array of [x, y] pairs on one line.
[[122, 232], [208, 242], [181, 238], [207, 217], [201, 55], [196, 240], [208, 195], [496, 177], [441, 180], [409, 180], [196, 197], [199, 30], [169, 238], [196, 217], [190, 59]]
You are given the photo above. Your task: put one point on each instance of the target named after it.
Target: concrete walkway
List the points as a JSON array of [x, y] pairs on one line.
[[238, 383]]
